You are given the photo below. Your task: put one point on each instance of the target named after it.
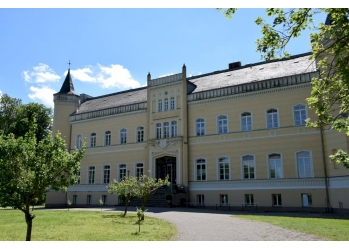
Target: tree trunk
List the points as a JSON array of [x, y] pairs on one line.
[[143, 206], [29, 220], [127, 201]]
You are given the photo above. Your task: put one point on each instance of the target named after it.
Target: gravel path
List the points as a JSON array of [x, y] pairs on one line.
[[211, 225]]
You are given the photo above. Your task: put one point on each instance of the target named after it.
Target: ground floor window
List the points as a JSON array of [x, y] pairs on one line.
[[249, 201], [89, 198], [224, 199], [276, 199], [306, 200], [104, 199], [201, 200], [75, 199]]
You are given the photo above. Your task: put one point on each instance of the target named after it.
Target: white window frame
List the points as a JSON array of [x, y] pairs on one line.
[[91, 174], [249, 200], [296, 113], [104, 178], [307, 200], [137, 169], [224, 168], [202, 125], [140, 134], [311, 164], [243, 167], [277, 199], [122, 168], [242, 118], [78, 143], [200, 199], [165, 104], [223, 200], [172, 103], [158, 130], [160, 105], [105, 199], [281, 166], [166, 127], [277, 118], [123, 136], [196, 169], [107, 138], [218, 124], [174, 127], [93, 140]]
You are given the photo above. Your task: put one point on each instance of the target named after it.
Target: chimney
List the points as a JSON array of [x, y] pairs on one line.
[[234, 65]]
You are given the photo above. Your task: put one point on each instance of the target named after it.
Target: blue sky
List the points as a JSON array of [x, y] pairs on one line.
[[113, 49]]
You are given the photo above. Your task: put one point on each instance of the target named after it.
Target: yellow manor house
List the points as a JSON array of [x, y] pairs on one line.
[[231, 139]]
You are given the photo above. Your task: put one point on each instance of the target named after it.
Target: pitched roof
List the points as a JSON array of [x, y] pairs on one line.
[[67, 87], [254, 72]]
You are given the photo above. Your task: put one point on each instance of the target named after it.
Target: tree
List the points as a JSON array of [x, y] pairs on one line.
[[125, 189], [146, 186], [330, 49], [29, 168], [8, 106]]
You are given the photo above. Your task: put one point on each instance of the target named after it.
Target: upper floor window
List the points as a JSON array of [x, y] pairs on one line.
[[139, 170], [166, 129], [158, 131], [272, 118], [275, 166], [223, 165], [248, 165], [93, 140], [172, 104], [122, 172], [201, 170], [200, 127], [304, 164], [123, 136], [106, 174], [91, 175], [174, 129], [299, 115], [107, 138], [246, 121], [78, 141], [140, 134], [222, 124], [165, 104], [159, 105]]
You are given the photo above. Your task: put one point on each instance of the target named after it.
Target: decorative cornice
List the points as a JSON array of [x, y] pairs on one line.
[[166, 79], [165, 143]]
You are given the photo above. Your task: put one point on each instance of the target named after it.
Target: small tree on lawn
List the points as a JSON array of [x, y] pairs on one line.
[[125, 189], [28, 169], [101, 203], [146, 186]]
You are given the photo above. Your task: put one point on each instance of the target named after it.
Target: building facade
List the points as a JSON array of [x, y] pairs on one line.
[[234, 138]]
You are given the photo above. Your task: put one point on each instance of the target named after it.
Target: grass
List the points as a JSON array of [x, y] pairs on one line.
[[329, 229], [64, 225]]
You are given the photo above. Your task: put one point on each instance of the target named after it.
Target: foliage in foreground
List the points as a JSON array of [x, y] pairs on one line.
[[330, 229], [61, 225]]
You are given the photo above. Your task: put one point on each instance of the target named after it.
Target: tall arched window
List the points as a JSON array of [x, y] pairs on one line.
[[304, 164], [107, 138], [275, 166], [122, 172], [160, 105], [139, 170], [91, 175], [123, 136], [158, 131], [200, 126], [166, 129], [272, 118], [140, 134], [299, 115], [246, 121], [78, 141], [248, 166], [165, 104], [223, 168], [173, 128], [93, 140], [173, 103], [106, 174], [222, 121], [201, 170]]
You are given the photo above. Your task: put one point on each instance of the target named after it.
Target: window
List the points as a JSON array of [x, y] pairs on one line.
[[201, 170], [106, 174], [89, 198], [304, 164], [200, 127], [272, 117], [122, 172], [166, 104], [139, 170], [306, 200], [275, 167], [246, 121], [223, 164], [166, 129], [107, 138], [123, 136], [158, 131], [104, 199], [75, 199], [222, 124], [78, 182], [249, 200], [224, 199], [201, 200], [276, 199], [78, 141], [299, 115], [140, 134], [174, 129], [173, 104], [159, 105], [248, 165], [93, 140], [91, 175]]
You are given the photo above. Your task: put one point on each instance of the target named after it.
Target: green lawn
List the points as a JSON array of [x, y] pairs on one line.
[[73, 225], [329, 229]]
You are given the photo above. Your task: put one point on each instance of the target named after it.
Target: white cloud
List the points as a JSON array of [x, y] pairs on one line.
[[44, 94], [41, 74], [83, 75]]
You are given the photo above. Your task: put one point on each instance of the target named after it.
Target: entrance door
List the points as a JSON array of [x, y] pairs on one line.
[[166, 166]]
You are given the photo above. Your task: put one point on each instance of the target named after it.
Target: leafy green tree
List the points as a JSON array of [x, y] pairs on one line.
[[29, 168], [125, 189], [8, 117], [330, 48]]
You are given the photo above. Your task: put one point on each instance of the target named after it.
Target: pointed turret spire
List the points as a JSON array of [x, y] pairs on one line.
[[67, 87]]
